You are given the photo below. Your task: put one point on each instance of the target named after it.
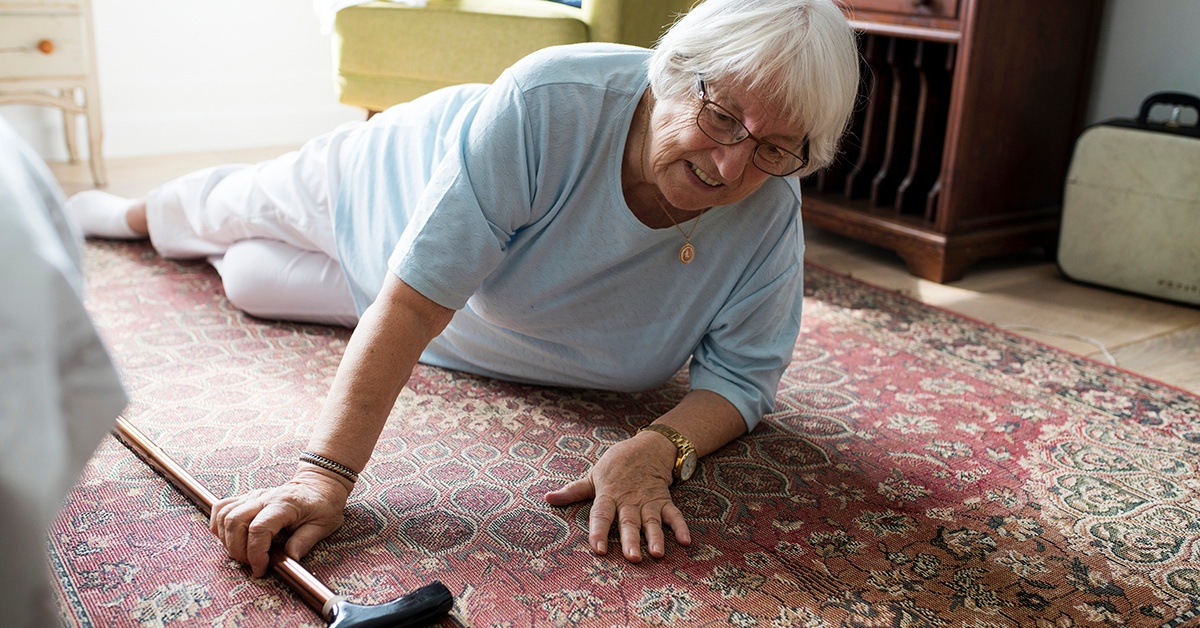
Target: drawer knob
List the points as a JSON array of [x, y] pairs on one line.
[[45, 46], [921, 3]]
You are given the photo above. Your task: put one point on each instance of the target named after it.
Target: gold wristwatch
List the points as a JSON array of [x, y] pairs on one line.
[[686, 459]]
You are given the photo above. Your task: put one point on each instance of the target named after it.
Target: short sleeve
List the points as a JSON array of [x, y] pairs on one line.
[[749, 344], [479, 197]]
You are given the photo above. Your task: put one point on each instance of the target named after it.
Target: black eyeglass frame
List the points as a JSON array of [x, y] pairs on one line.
[[705, 102]]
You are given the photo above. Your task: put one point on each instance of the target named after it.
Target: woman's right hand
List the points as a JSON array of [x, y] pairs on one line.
[[310, 506]]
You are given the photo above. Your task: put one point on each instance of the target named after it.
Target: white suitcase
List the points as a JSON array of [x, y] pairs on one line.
[[1131, 208]]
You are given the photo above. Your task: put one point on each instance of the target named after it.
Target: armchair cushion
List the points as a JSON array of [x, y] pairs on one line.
[[386, 52]]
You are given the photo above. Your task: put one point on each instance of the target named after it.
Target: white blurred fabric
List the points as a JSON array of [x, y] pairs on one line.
[[59, 391]]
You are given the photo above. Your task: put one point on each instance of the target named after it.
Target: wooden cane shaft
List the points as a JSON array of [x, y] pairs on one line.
[[312, 590]]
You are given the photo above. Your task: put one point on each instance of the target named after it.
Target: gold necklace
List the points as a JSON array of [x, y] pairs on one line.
[[687, 252]]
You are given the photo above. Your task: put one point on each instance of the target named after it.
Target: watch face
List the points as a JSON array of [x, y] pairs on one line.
[[688, 466]]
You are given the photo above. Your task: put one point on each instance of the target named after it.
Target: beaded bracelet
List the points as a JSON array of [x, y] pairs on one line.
[[329, 465]]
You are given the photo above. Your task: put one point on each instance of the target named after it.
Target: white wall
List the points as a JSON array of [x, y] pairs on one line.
[[1145, 46], [185, 76]]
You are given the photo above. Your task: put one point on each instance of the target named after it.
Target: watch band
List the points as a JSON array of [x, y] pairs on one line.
[[685, 452]]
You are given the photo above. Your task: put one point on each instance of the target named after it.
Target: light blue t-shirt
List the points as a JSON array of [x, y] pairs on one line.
[[504, 202]]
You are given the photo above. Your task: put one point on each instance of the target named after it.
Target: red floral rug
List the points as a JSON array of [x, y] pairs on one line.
[[921, 470]]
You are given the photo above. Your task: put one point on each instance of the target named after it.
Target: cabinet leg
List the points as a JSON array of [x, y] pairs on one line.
[[935, 265]]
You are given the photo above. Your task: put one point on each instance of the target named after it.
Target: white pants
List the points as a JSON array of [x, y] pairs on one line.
[[266, 228]]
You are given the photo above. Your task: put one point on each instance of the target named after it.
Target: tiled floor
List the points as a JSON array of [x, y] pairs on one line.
[[1026, 295]]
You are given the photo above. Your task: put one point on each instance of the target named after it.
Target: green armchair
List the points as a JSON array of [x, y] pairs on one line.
[[386, 52]]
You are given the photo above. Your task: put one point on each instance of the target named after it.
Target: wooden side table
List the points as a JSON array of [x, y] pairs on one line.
[[47, 58], [960, 148]]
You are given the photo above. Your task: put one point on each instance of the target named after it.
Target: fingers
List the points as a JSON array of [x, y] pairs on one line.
[[215, 517], [674, 518], [635, 522], [221, 524], [629, 526], [653, 526], [259, 535], [571, 493], [603, 510], [246, 525], [647, 521], [303, 540], [599, 522]]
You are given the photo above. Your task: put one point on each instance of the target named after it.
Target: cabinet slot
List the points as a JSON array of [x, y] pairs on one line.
[[917, 193], [874, 129], [891, 157], [832, 179], [899, 146]]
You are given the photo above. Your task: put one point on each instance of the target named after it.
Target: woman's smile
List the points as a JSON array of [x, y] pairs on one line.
[[703, 176]]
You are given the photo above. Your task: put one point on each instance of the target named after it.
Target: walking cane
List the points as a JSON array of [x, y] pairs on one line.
[[413, 609]]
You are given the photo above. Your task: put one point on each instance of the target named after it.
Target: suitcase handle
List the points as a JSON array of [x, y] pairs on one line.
[[1167, 98]]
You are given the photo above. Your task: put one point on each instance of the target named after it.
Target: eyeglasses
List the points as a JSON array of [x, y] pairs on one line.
[[723, 127]]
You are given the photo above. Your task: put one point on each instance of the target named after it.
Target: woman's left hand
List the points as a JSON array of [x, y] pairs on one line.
[[631, 485]]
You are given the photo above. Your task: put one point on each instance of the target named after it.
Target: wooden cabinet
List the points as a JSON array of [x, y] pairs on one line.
[[47, 58], [905, 9], [960, 146]]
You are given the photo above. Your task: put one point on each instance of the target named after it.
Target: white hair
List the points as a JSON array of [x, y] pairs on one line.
[[799, 55]]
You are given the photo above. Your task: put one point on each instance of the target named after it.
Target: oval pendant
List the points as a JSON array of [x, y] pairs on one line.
[[687, 253]]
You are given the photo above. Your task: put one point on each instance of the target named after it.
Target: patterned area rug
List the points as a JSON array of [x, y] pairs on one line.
[[921, 470]]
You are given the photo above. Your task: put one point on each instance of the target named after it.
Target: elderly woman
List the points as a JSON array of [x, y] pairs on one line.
[[597, 217]]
